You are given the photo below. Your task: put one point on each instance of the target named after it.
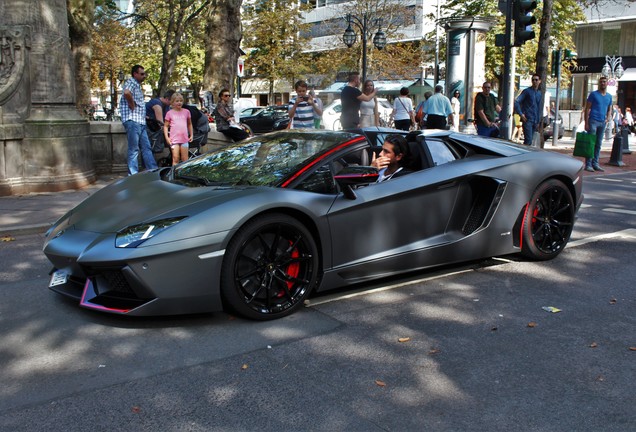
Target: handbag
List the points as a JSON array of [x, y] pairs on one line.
[[584, 145]]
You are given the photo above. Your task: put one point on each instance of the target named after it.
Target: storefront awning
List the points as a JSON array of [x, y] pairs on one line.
[[385, 86], [628, 75], [255, 86]]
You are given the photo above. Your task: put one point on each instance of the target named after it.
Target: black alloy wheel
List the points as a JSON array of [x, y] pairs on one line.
[[548, 221], [270, 267]]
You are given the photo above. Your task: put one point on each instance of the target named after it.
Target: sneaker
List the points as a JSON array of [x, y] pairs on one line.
[[589, 168], [598, 168]]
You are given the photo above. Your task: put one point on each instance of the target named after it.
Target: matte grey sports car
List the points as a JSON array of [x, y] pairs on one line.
[[257, 226]]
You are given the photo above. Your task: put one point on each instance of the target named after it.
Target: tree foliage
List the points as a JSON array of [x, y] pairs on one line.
[[276, 36]]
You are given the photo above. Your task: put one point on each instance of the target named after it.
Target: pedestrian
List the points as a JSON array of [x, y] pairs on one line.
[[224, 118], [438, 110], [528, 106], [133, 117], [456, 105], [302, 108], [156, 109], [350, 98], [319, 104], [486, 109], [618, 118], [178, 129], [598, 113], [369, 115], [403, 114], [629, 118]]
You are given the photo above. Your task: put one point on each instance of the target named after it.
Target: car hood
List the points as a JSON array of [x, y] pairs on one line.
[[141, 198]]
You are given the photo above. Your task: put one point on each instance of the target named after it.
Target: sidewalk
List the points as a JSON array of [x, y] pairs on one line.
[[35, 213]]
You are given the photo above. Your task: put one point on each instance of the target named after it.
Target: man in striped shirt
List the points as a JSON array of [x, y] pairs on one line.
[[303, 107], [133, 116]]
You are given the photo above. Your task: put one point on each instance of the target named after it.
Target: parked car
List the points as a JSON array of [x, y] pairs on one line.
[[548, 126], [268, 119], [99, 115], [331, 114], [246, 112], [257, 226]]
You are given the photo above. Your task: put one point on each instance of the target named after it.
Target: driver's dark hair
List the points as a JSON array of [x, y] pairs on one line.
[[400, 147]]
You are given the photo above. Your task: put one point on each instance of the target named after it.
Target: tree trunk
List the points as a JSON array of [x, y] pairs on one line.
[[80, 19], [223, 35]]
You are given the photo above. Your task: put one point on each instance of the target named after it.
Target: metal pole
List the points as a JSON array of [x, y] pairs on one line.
[[436, 78], [364, 47], [506, 101], [555, 124]]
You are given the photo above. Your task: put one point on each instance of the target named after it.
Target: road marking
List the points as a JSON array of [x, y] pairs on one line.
[[586, 205], [617, 210], [625, 234], [609, 180], [365, 291]]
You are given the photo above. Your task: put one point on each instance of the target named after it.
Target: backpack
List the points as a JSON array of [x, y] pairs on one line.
[[419, 114]]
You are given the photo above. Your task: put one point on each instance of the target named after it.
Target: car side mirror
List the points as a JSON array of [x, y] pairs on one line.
[[354, 176]]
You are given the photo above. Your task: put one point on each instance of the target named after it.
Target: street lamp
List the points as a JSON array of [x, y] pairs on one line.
[[613, 67], [349, 37]]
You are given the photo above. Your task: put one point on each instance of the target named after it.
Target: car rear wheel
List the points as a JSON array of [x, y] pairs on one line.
[[548, 221], [270, 267]]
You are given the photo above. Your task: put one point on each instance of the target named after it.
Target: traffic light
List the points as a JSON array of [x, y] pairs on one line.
[[523, 20]]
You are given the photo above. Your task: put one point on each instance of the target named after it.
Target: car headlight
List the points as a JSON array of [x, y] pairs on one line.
[[133, 236]]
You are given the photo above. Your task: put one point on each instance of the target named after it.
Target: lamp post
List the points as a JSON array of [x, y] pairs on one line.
[[349, 37]]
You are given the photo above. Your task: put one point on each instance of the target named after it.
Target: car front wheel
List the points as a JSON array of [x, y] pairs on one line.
[[270, 267], [548, 221]]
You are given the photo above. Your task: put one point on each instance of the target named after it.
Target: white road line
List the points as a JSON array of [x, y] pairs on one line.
[[625, 234], [617, 210], [609, 180], [586, 205]]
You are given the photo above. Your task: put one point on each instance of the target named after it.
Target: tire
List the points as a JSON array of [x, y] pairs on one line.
[[548, 221], [270, 267]]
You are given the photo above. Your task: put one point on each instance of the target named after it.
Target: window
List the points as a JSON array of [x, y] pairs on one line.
[[440, 153]]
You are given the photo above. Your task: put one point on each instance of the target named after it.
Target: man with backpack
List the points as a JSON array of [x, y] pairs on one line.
[[486, 109]]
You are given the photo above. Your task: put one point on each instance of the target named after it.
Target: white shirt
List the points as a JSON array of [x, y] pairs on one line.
[[402, 107]]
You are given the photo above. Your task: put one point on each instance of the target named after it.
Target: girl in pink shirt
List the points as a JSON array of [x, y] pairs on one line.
[[177, 129]]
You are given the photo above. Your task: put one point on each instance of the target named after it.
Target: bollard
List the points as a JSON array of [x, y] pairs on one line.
[[616, 158], [625, 137]]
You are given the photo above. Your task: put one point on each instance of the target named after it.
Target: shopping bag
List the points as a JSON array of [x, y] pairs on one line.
[[584, 145]]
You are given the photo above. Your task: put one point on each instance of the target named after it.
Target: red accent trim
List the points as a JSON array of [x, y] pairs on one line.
[[523, 223], [320, 159], [87, 304]]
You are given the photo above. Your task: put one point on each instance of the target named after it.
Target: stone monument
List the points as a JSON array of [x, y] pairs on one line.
[[45, 142]]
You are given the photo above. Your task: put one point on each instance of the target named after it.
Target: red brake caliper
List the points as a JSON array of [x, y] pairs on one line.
[[292, 270]]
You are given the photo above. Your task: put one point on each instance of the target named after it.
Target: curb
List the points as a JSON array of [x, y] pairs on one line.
[[25, 229]]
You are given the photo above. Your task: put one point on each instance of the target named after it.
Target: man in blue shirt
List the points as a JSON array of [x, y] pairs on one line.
[[438, 109], [598, 112], [133, 116], [528, 106]]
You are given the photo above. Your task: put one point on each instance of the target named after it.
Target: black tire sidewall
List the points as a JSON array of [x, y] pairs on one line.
[[229, 293]]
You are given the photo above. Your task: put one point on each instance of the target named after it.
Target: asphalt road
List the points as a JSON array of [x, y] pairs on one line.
[[464, 348]]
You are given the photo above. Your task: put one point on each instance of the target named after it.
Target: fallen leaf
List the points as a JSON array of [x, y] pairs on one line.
[[136, 409], [532, 324], [593, 345], [632, 348], [434, 351], [494, 329], [7, 239], [600, 378], [244, 367], [380, 383], [612, 301], [404, 339]]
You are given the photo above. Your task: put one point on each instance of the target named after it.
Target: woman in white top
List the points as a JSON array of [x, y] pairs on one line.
[[403, 115], [369, 109], [455, 104]]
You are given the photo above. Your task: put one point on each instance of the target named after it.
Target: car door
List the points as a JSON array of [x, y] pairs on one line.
[[394, 225]]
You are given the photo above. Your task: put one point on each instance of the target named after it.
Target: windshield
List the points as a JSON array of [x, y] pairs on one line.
[[264, 160]]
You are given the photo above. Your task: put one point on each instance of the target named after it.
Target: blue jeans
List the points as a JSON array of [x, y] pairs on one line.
[[528, 129], [138, 140], [598, 128], [486, 131]]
